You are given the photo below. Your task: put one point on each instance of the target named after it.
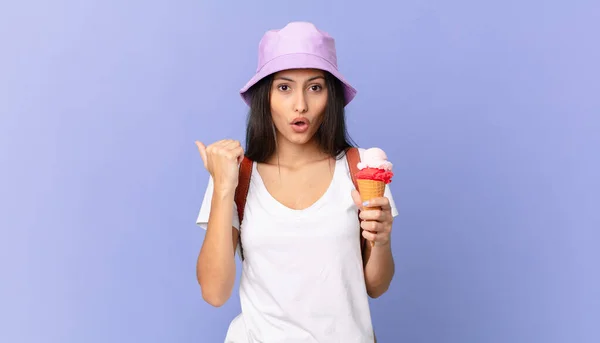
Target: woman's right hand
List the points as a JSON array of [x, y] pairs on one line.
[[222, 160]]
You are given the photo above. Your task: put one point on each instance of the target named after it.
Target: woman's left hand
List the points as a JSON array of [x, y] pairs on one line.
[[376, 216]]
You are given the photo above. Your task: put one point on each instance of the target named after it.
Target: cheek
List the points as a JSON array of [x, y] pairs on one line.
[[276, 108], [278, 102], [319, 102], [278, 120]]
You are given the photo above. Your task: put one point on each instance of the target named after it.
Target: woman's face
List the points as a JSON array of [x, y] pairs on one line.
[[298, 101]]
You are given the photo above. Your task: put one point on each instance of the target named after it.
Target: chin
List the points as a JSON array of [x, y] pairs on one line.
[[299, 139]]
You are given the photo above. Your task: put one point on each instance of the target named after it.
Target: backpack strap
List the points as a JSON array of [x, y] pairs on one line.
[[241, 193], [353, 157]]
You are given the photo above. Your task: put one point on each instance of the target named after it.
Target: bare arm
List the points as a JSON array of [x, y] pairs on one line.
[[216, 262], [378, 261], [215, 268], [379, 268]]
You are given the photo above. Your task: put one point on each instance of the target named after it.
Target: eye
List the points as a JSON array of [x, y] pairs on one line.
[[316, 88], [283, 88]]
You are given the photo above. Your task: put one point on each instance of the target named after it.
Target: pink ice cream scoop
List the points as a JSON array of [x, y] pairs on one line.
[[374, 158]]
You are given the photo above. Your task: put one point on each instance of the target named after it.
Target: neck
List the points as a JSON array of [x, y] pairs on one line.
[[290, 154]]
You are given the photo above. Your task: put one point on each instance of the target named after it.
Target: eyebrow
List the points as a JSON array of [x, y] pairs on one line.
[[290, 80]]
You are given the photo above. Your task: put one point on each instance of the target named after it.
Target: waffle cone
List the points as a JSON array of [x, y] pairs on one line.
[[370, 189]]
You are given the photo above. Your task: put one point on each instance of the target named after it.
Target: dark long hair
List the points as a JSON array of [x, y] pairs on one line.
[[332, 136]]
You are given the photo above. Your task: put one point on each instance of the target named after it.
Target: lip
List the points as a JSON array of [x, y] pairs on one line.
[[300, 124], [300, 120]]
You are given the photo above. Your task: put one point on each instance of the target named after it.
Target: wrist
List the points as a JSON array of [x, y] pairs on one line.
[[383, 246], [224, 193]]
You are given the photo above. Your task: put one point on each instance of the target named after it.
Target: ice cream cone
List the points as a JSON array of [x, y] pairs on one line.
[[374, 173], [370, 189]]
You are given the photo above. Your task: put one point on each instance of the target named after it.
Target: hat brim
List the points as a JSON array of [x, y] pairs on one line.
[[297, 61]]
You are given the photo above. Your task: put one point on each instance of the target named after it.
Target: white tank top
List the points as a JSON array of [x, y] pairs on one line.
[[302, 278]]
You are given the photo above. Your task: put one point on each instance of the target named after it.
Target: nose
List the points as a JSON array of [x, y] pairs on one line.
[[301, 106]]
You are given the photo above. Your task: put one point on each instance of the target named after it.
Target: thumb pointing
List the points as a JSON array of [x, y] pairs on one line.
[[202, 150]]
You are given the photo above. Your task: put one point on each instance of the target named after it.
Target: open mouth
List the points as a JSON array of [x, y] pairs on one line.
[[300, 124]]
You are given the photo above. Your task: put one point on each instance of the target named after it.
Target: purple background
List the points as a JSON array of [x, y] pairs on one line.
[[490, 111]]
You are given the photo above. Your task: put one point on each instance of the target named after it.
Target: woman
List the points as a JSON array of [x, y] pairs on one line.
[[304, 276]]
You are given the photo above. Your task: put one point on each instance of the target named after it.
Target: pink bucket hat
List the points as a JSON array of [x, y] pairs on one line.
[[297, 45]]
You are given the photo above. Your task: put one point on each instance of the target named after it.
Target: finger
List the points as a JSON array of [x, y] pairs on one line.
[[382, 202], [372, 214], [356, 198], [375, 239], [236, 154], [223, 142], [233, 153], [239, 153], [202, 150], [369, 236], [230, 144], [371, 226]]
